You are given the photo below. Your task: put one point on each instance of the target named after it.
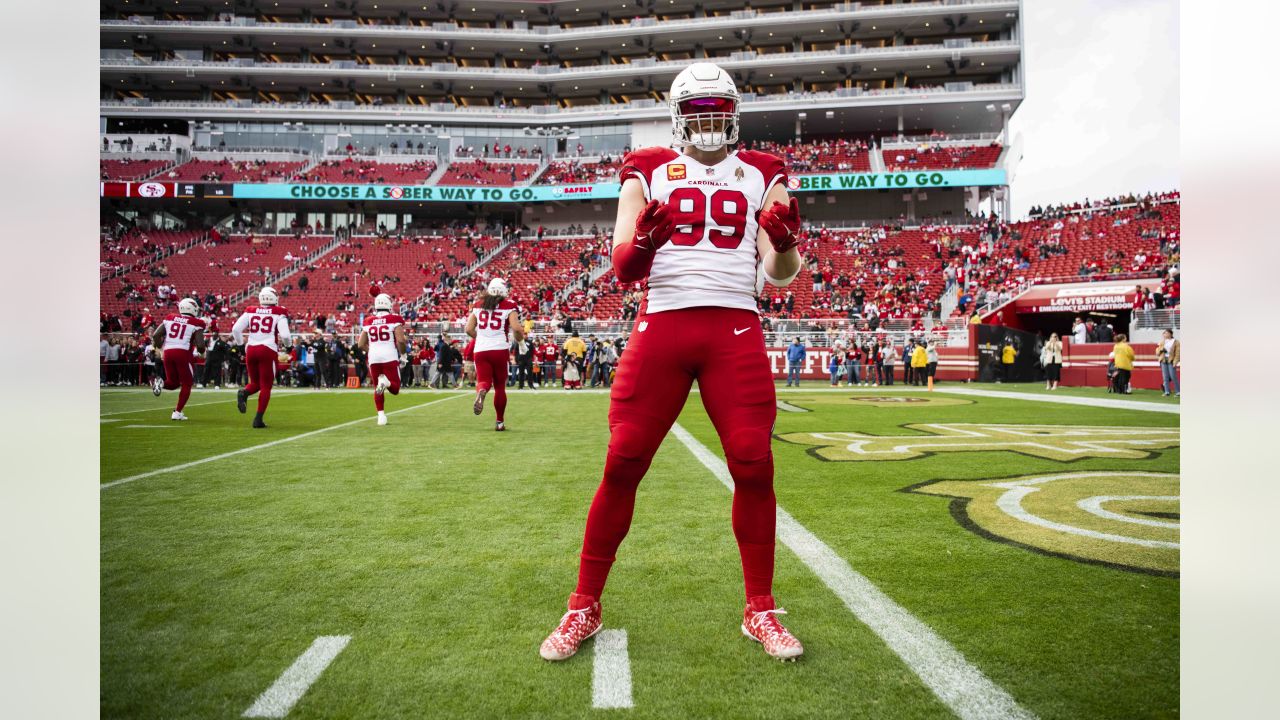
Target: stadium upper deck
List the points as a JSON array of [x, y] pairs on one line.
[[882, 66]]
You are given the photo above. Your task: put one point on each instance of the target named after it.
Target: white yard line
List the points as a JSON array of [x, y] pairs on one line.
[[279, 699], [1069, 400], [167, 407], [273, 443], [163, 427], [611, 673], [956, 682]]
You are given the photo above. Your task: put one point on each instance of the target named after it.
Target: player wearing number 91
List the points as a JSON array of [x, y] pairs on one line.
[[178, 334], [493, 322], [383, 339], [705, 226], [265, 323]]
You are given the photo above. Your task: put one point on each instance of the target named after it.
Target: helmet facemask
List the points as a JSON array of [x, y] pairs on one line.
[[708, 123]]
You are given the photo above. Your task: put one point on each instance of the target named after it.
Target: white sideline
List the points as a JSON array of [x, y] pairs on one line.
[[277, 700], [611, 672], [1117, 403], [273, 443], [957, 683]]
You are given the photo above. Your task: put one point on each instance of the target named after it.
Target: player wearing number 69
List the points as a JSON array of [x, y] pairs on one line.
[[705, 225], [384, 341], [265, 323], [493, 322]]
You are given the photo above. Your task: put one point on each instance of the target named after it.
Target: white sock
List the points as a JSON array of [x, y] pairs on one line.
[[382, 413]]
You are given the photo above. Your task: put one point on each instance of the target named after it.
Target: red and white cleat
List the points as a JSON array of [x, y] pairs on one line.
[[760, 623], [581, 622], [478, 406]]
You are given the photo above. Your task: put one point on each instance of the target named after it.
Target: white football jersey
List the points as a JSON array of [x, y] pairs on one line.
[[382, 337], [712, 259], [263, 324], [178, 330], [491, 326]]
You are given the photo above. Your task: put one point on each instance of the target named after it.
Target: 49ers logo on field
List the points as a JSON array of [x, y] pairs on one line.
[[675, 172], [1125, 520]]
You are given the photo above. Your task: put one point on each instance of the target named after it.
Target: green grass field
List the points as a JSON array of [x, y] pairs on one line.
[[446, 551]]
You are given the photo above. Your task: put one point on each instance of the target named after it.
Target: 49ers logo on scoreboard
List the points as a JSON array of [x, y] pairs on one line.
[[675, 172]]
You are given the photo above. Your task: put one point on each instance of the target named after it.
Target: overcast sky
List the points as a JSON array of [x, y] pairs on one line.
[[1101, 113]]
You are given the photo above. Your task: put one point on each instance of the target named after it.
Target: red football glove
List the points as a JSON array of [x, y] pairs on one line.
[[781, 223], [654, 226]]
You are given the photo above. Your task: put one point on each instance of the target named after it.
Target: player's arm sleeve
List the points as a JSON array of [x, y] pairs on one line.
[[630, 263], [237, 330], [283, 330]]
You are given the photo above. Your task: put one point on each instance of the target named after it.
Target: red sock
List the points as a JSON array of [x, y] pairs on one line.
[[608, 521], [754, 523], [183, 395], [378, 401], [500, 401]]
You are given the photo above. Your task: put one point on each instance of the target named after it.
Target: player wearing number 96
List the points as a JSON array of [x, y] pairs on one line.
[[384, 341], [264, 323], [493, 322], [705, 225]]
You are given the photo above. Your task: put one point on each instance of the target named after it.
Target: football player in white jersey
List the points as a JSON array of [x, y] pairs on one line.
[[267, 325], [493, 322], [705, 225], [383, 339], [177, 334]]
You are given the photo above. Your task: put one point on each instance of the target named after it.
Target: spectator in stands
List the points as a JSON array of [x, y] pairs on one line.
[[795, 360], [1169, 353], [1051, 359], [1122, 356]]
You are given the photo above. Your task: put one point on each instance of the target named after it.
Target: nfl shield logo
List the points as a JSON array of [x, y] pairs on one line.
[[644, 325], [711, 171]]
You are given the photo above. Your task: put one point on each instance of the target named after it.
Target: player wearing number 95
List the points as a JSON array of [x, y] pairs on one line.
[[493, 322], [705, 226], [384, 340], [264, 323]]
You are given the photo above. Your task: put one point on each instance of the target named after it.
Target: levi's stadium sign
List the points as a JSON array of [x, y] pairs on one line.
[[593, 191]]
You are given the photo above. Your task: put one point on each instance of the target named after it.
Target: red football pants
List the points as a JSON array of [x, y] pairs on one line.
[[391, 369], [491, 373], [177, 374], [260, 360], [723, 349]]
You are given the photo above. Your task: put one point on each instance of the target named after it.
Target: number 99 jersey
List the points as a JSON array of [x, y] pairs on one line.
[[712, 258], [381, 329], [491, 326]]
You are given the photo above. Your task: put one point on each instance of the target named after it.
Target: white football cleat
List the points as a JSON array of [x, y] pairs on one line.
[[382, 417], [384, 382], [177, 415], [499, 426], [157, 386]]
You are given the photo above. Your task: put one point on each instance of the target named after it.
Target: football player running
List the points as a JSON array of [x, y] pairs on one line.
[[493, 322], [177, 334], [705, 226], [265, 323], [383, 338]]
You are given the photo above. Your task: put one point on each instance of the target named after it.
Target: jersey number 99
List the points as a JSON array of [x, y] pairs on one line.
[[727, 208]]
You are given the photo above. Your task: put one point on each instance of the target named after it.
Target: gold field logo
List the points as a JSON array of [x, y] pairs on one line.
[[1126, 520], [1054, 442]]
